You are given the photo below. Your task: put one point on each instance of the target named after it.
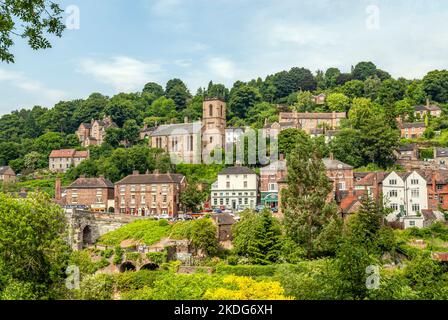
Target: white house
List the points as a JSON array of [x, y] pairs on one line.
[[236, 187], [406, 194]]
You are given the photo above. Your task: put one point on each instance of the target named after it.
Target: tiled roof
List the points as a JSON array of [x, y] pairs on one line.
[[236, 170], [86, 125], [181, 128], [91, 183], [414, 125], [162, 178], [81, 154], [63, 153]]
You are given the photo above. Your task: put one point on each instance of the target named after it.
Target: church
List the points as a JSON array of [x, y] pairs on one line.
[[193, 142]]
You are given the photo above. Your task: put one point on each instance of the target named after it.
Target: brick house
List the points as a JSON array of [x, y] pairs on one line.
[[7, 174], [412, 130], [319, 99], [94, 133], [341, 175], [407, 152], [149, 194], [441, 156], [95, 193], [432, 110], [309, 121], [269, 186], [62, 160]]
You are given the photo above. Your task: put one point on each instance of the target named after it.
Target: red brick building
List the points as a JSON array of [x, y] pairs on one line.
[[149, 194], [95, 193]]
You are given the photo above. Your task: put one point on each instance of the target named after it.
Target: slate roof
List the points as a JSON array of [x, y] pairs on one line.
[[86, 183], [312, 115], [4, 169], [236, 170], [335, 164], [162, 178], [87, 125], [180, 128]]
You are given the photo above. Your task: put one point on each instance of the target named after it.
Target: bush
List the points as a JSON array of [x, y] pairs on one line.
[[99, 287], [118, 258], [247, 270], [136, 280], [157, 257], [133, 256], [107, 253]]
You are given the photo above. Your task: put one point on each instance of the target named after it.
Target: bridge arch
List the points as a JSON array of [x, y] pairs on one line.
[[127, 266], [87, 236], [149, 266]]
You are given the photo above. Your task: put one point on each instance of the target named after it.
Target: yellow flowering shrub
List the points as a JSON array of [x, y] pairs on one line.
[[246, 288]]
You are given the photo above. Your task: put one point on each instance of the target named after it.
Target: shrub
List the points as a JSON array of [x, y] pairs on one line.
[[157, 257], [136, 280], [118, 258], [247, 270], [107, 253], [99, 287], [133, 256]]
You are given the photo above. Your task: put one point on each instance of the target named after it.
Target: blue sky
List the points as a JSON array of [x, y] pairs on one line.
[[123, 44]]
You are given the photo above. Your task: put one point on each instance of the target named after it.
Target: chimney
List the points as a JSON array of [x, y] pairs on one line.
[[58, 190], [135, 173], [282, 156], [331, 156], [185, 119], [82, 176], [102, 176], [427, 102], [266, 121]]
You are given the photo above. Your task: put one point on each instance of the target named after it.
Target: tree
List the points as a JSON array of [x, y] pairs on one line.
[[331, 77], [124, 107], [34, 160], [155, 89], [218, 91], [162, 108], [178, 92], [289, 138], [48, 142], [415, 92], [363, 70], [113, 136], [371, 87], [203, 236], [33, 250], [31, 20], [306, 212], [435, 85], [258, 237], [353, 89], [304, 101], [347, 147], [131, 132], [361, 109], [242, 99], [192, 198], [338, 102]]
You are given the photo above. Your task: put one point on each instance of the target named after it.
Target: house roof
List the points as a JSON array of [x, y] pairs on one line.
[[156, 178], [180, 128], [414, 125], [63, 153], [223, 219], [407, 147], [81, 154], [312, 115], [279, 165], [86, 125], [333, 164], [427, 108], [237, 170], [87, 183], [4, 169]]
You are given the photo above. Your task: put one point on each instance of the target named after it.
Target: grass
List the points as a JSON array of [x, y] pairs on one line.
[[148, 232]]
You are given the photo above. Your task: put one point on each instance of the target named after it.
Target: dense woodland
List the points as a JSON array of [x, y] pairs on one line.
[[370, 96]]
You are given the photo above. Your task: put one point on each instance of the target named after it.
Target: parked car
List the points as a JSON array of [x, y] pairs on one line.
[[259, 208], [274, 210], [164, 216], [217, 211]]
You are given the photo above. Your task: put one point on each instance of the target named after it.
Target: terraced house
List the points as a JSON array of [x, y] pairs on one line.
[[149, 194], [62, 160], [97, 194], [236, 188]]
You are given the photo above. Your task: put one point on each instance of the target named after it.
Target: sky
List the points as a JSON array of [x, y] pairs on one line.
[[122, 44]]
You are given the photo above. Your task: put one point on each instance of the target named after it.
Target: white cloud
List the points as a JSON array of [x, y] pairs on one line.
[[19, 80], [222, 67], [122, 73]]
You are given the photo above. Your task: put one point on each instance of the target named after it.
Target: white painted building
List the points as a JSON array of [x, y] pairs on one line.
[[236, 187], [406, 194]]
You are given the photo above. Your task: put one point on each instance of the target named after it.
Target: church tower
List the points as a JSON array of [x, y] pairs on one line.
[[213, 124]]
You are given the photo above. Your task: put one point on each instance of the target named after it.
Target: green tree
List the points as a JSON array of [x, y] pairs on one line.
[[306, 212], [204, 236], [192, 198], [33, 20], [347, 147], [131, 132], [289, 138], [178, 92], [304, 101], [435, 85], [353, 89], [258, 237], [154, 89], [32, 243], [364, 70], [338, 102], [331, 76], [114, 136], [242, 99]]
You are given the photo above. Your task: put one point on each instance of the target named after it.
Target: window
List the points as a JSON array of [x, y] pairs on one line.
[[227, 177], [75, 197], [221, 201], [210, 110], [143, 199], [439, 187], [412, 223], [272, 186], [99, 196], [122, 189], [122, 200], [164, 198], [133, 199], [154, 189], [393, 182], [414, 181], [215, 202], [227, 184], [415, 193], [246, 201], [341, 185], [143, 188], [245, 184], [211, 139], [132, 188], [393, 193], [416, 207], [394, 206]]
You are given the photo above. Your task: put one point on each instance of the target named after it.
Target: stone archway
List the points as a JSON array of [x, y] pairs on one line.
[[87, 237], [149, 266], [127, 266]]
